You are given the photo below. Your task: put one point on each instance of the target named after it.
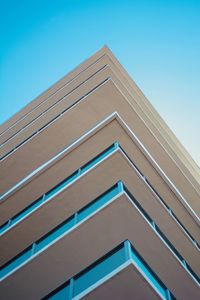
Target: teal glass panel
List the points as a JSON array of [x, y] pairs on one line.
[[146, 270], [116, 145], [51, 236], [97, 159], [26, 211], [99, 270], [107, 265], [61, 185], [58, 187], [10, 266], [61, 294], [120, 186], [4, 227], [97, 203], [64, 227]]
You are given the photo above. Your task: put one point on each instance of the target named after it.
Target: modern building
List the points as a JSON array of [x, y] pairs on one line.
[[99, 200]]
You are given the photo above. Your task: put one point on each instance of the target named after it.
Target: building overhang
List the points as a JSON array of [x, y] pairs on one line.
[[100, 137], [42, 147], [119, 220]]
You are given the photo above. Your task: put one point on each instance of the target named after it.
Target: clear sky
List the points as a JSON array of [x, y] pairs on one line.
[[157, 41]]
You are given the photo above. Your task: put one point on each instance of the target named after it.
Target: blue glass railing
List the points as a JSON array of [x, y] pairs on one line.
[[104, 269], [81, 216], [163, 237], [60, 230], [57, 188], [17, 218]]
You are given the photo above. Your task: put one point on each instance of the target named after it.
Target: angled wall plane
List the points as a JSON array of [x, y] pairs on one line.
[[99, 200]]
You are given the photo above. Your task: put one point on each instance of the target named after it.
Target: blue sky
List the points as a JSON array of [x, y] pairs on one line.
[[157, 41]]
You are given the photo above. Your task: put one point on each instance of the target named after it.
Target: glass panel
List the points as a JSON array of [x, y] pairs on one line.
[[4, 227], [61, 185], [26, 211], [64, 227], [108, 264], [54, 234], [145, 269], [99, 270], [61, 294], [85, 212], [97, 159], [16, 262], [58, 187]]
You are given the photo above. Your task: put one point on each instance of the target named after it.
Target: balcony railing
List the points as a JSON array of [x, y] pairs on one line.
[[104, 269], [81, 216]]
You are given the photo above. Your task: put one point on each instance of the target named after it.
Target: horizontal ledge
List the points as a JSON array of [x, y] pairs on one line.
[[75, 253], [77, 219]]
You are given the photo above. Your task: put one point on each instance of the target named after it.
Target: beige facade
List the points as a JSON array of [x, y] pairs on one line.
[[96, 128]]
